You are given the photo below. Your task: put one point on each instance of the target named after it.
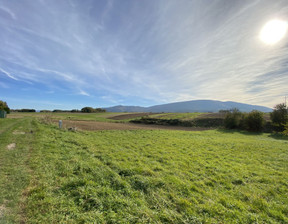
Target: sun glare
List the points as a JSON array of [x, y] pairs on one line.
[[273, 31]]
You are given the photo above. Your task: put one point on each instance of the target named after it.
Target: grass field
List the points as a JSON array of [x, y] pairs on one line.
[[140, 176], [104, 117], [181, 116]]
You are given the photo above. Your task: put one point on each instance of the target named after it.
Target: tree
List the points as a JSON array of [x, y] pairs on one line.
[[87, 110], [233, 119], [92, 110], [4, 106], [254, 121], [27, 110], [100, 110], [279, 116]]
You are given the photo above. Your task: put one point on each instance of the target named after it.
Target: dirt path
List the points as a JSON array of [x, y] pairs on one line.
[[98, 126]]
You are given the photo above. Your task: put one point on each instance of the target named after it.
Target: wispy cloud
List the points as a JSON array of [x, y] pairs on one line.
[[8, 74], [8, 11], [145, 51], [81, 92]]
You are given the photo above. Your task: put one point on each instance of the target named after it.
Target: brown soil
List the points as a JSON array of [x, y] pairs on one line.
[[2, 210], [18, 133], [98, 126], [130, 116], [11, 146]]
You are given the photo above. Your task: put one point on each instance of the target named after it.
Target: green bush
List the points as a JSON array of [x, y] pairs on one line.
[[254, 121], [87, 110], [199, 122], [4, 106], [92, 110], [233, 119], [279, 116], [285, 132]]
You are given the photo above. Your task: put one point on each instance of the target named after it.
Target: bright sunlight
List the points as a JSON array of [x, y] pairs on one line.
[[273, 31]]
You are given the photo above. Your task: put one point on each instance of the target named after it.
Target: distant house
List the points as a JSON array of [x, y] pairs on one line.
[[3, 114]]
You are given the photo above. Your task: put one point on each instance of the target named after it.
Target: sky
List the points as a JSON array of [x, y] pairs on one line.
[[70, 54]]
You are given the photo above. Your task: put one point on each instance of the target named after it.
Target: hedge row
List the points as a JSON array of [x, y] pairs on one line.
[[201, 122]]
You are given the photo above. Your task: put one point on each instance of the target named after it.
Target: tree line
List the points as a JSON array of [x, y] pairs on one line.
[[4, 106], [255, 121], [83, 110]]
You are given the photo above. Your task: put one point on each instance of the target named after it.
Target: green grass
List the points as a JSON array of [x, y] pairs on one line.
[[86, 116], [14, 167], [148, 176], [103, 117], [181, 116]]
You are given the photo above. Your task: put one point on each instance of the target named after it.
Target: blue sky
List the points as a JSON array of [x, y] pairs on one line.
[[72, 53]]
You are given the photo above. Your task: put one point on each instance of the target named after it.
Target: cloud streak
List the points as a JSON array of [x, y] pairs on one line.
[[143, 52], [8, 74]]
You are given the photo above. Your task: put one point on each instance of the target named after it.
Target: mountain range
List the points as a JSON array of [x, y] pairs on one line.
[[190, 106]]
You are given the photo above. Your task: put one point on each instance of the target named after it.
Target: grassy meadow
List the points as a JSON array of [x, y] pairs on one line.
[[140, 176], [181, 116], [103, 117]]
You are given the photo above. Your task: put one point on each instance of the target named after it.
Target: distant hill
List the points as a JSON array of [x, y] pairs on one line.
[[121, 108], [190, 106]]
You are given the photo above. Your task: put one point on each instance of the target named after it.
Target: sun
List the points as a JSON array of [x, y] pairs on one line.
[[273, 31]]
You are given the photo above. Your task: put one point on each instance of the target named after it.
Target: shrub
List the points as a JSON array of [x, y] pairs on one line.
[[285, 132], [26, 110], [233, 119], [92, 110], [87, 110], [279, 116], [45, 111], [4, 106], [254, 121]]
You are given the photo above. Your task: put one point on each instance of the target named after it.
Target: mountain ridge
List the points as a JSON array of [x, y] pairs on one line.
[[190, 106]]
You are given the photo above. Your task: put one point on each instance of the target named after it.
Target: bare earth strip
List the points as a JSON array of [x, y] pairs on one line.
[[98, 126], [130, 116]]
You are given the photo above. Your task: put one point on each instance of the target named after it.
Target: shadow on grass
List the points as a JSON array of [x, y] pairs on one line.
[[232, 131], [278, 136], [275, 135]]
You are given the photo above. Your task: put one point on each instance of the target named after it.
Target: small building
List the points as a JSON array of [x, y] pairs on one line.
[[3, 114]]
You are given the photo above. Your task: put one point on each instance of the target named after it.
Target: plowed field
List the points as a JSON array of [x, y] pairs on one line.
[[98, 126]]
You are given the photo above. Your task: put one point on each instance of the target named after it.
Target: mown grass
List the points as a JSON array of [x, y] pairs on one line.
[[157, 177], [57, 176], [14, 167]]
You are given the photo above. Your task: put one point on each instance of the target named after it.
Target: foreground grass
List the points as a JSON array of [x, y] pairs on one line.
[[56, 176], [157, 177], [14, 166]]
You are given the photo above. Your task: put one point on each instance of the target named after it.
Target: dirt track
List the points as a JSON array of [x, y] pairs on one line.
[[98, 126]]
